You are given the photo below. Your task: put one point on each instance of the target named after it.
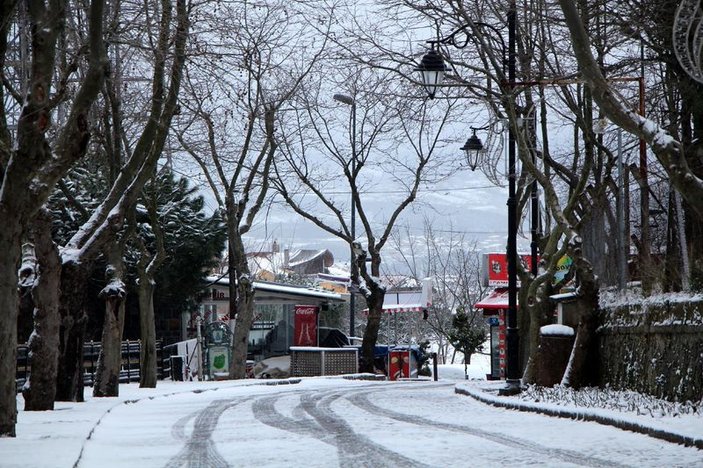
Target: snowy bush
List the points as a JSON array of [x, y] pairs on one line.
[[607, 398]]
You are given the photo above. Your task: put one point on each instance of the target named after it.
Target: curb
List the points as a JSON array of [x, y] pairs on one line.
[[662, 434]]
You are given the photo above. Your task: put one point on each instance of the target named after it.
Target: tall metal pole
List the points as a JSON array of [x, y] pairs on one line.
[[352, 267], [348, 100], [433, 68], [534, 202], [622, 259], [512, 336]]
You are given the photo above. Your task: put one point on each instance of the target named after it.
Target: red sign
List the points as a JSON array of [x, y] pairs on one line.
[[305, 325], [496, 268]]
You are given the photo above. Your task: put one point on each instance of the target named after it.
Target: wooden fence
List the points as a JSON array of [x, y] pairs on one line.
[[129, 371]]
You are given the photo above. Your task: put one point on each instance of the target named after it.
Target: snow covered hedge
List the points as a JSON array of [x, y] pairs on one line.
[[653, 345]]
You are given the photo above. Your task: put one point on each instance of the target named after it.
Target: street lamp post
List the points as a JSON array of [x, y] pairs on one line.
[[432, 68], [348, 100]]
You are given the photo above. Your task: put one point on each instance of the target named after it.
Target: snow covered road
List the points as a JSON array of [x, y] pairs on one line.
[[336, 422]]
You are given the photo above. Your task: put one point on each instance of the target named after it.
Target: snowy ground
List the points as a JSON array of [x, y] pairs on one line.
[[321, 422]]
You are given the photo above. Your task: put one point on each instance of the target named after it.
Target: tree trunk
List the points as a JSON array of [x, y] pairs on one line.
[[33, 160], [40, 389], [10, 246], [147, 328], [539, 313], [69, 379], [239, 273], [374, 302], [107, 374], [583, 364], [243, 322]]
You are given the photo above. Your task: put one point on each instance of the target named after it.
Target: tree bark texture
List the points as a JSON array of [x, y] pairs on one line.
[[31, 169], [147, 328], [582, 367], [107, 374], [147, 267], [69, 379], [10, 236], [245, 306], [374, 302], [40, 389]]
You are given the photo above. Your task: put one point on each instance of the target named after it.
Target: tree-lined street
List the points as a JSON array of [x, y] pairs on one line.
[[121, 118], [337, 422]]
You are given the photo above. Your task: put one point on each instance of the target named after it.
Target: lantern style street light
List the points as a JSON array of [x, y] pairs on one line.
[[349, 101], [433, 69], [473, 148]]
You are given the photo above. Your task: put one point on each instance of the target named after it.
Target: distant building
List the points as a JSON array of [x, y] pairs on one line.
[[274, 265], [271, 333]]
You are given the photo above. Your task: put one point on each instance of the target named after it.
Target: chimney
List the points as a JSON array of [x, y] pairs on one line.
[[286, 258], [275, 247]]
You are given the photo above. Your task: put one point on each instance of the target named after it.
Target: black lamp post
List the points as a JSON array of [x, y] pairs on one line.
[[432, 67], [348, 100]]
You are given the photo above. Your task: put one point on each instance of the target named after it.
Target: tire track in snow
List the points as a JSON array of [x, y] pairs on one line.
[[353, 449], [199, 450], [361, 400]]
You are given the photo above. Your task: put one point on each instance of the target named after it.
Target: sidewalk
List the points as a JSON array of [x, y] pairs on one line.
[[683, 429]]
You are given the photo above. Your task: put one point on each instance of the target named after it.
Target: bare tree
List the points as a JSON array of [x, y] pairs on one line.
[[454, 264], [394, 143], [234, 103], [576, 181], [668, 150], [30, 162], [147, 266], [106, 221]]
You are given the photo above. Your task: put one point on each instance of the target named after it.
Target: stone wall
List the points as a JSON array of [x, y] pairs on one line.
[[654, 346]]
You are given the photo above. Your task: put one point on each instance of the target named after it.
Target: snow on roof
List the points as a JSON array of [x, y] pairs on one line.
[[564, 296], [339, 270], [300, 256], [497, 299], [333, 278], [276, 262], [301, 290], [265, 286]]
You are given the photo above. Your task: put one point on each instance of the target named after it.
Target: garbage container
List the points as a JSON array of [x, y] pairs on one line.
[[177, 368], [555, 344]]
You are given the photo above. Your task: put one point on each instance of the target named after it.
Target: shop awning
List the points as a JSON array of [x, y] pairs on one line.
[[497, 299], [397, 308], [414, 300]]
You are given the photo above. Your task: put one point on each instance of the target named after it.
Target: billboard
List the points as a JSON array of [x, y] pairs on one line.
[[495, 268], [563, 267]]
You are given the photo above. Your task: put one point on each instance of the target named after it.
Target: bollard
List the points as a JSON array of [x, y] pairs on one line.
[[434, 366]]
